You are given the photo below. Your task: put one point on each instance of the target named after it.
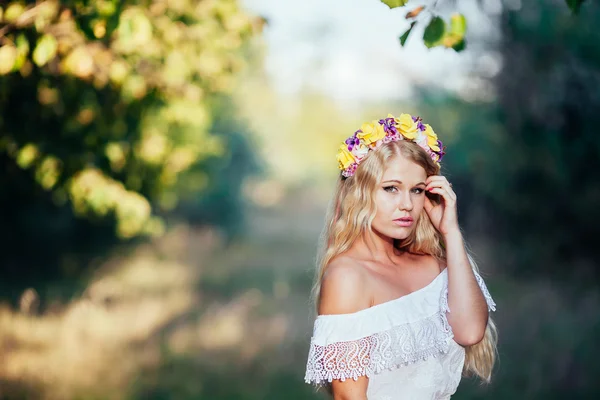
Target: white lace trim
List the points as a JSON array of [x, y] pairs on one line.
[[486, 294], [401, 345]]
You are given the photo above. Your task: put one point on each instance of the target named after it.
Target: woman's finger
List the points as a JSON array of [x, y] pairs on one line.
[[445, 193], [443, 185]]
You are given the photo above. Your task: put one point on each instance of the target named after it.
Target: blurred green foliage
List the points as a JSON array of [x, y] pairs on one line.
[[115, 115], [543, 173], [108, 102]]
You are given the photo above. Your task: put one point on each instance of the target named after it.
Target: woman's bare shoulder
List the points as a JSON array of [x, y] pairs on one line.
[[344, 287]]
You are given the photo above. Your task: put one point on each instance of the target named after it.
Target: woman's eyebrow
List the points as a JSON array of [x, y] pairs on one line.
[[400, 182]]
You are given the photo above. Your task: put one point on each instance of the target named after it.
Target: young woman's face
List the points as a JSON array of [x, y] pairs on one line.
[[399, 197]]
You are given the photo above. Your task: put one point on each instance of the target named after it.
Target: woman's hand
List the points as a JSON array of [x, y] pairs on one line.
[[443, 216]]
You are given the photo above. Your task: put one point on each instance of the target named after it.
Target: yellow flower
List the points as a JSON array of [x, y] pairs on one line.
[[371, 133], [345, 158], [406, 126], [432, 139]]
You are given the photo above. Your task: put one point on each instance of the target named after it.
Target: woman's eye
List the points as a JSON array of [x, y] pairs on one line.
[[391, 189], [418, 190]]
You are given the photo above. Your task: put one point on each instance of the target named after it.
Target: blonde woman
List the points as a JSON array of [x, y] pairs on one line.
[[402, 311]]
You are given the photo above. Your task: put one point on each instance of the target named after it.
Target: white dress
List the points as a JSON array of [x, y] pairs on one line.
[[404, 346]]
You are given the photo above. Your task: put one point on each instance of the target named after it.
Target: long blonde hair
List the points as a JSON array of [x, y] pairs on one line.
[[351, 213]]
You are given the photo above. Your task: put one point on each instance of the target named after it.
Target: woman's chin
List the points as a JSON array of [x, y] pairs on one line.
[[401, 233], [395, 232]]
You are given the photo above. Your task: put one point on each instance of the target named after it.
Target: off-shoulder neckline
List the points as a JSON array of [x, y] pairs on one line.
[[389, 302]]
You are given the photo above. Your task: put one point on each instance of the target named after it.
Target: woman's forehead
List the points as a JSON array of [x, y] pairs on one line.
[[404, 170]]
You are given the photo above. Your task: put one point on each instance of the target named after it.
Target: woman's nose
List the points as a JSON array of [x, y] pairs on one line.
[[405, 202]]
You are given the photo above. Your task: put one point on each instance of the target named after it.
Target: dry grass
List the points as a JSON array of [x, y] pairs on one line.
[[135, 306]]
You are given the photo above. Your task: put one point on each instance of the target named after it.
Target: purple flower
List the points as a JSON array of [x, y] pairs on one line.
[[389, 126], [442, 151], [421, 127], [353, 140]]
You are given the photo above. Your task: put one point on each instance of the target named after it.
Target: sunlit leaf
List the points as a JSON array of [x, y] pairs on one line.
[[455, 37], [99, 29], [458, 24], [48, 172], [414, 13], [106, 8], [8, 55], [434, 32], [404, 36], [79, 63], [118, 71], [394, 3], [47, 9], [27, 155], [22, 51], [13, 11], [116, 155], [135, 30], [45, 50], [22, 44]]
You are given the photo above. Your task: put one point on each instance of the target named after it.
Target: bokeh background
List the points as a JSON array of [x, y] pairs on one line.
[[165, 167]]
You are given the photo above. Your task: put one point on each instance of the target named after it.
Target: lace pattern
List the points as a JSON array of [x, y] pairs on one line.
[[402, 345], [486, 294]]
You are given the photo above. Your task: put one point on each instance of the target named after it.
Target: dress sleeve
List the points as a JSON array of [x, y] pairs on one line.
[[339, 359], [400, 332], [491, 304], [488, 297]]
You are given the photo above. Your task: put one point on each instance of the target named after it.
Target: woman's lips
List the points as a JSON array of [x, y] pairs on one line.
[[405, 221]]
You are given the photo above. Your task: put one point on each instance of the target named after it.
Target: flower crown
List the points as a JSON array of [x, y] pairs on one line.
[[372, 135]]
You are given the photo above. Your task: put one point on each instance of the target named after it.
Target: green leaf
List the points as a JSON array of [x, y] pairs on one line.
[[394, 3], [8, 55], [13, 11], [45, 50], [405, 34], [574, 5], [458, 24], [460, 46], [22, 51], [434, 32]]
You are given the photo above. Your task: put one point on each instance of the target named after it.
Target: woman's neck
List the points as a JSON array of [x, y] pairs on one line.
[[373, 245]]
